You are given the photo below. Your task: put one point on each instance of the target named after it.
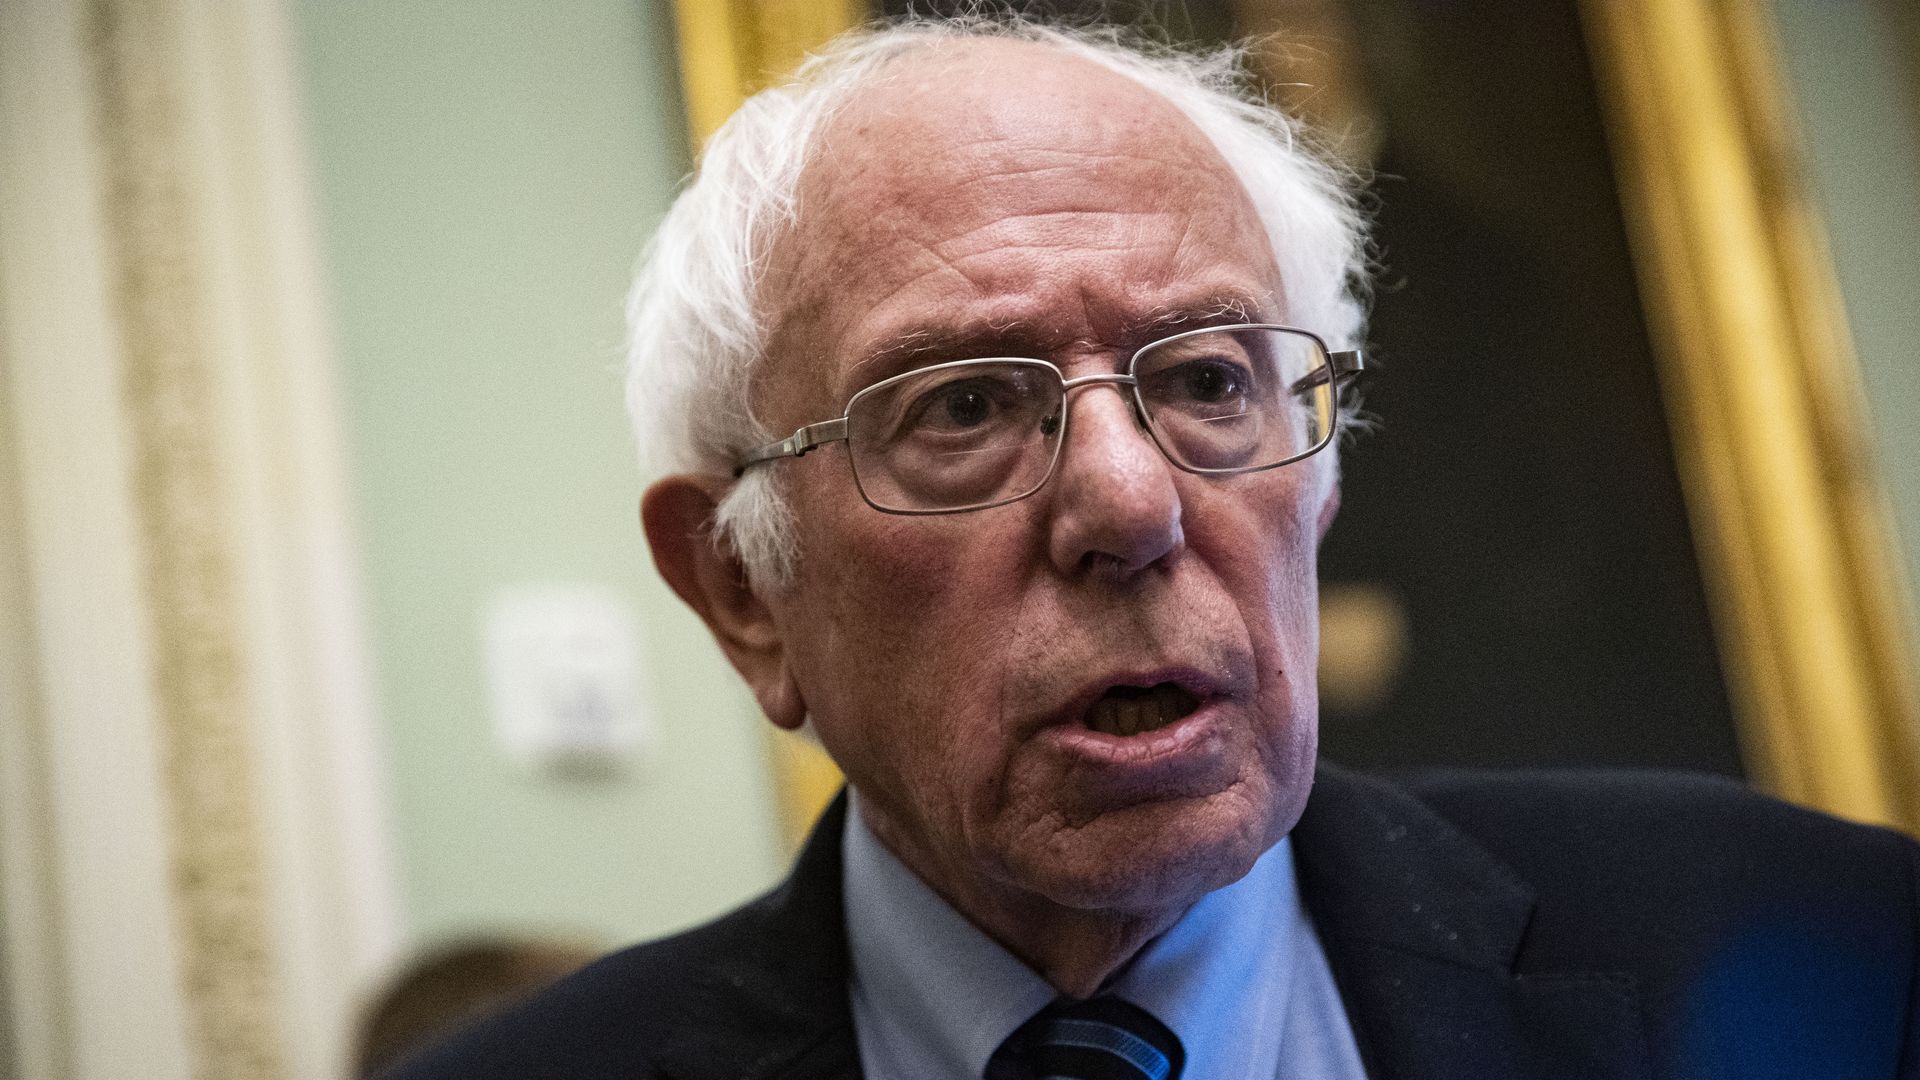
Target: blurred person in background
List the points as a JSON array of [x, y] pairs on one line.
[[454, 985]]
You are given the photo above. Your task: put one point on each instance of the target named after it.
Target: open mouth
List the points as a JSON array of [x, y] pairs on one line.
[[1132, 710]]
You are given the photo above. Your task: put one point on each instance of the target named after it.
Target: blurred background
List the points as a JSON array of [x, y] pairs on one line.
[[331, 656]]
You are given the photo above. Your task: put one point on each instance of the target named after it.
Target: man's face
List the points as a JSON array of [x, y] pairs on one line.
[[960, 668]]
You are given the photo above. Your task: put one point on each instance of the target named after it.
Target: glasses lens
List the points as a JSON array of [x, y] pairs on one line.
[[1236, 399], [955, 436]]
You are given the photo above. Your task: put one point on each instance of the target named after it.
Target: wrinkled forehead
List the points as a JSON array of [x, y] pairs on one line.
[[927, 167]]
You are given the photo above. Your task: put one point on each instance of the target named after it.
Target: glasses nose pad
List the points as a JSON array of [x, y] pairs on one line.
[[1050, 424]]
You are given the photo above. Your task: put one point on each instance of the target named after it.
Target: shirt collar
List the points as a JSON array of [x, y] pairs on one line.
[[929, 987], [1226, 969], [934, 995]]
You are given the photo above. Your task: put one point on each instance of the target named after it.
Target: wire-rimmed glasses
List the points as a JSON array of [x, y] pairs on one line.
[[972, 434]]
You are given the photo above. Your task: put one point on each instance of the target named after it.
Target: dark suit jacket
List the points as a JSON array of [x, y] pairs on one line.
[[1485, 925]]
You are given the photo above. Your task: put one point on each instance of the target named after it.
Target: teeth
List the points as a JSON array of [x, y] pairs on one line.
[[1130, 710]]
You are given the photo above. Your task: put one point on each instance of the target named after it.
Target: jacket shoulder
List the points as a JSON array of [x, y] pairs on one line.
[[753, 991], [1693, 828], [1728, 907], [605, 1020]]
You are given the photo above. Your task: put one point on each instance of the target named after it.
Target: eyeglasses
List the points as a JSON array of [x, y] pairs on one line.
[[971, 434]]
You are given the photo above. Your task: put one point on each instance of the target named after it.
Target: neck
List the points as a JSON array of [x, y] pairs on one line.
[[1076, 950]]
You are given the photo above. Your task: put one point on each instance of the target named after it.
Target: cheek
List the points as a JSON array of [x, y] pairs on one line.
[[1295, 588], [907, 622], [1272, 546], [1265, 532]]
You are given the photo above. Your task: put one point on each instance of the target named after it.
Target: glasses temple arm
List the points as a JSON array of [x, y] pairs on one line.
[[1341, 366], [794, 445]]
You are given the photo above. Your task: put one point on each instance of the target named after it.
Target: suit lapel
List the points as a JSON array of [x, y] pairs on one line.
[[777, 1008], [1425, 930]]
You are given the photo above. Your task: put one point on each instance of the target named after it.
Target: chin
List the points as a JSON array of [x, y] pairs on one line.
[[1152, 858]]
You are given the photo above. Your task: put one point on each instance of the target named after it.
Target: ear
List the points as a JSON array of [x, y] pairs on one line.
[[677, 513]]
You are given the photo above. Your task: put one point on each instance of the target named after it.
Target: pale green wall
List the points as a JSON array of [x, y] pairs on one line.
[[1863, 145], [487, 172]]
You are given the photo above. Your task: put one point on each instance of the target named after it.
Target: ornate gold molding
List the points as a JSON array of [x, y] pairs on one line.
[[731, 48], [1765, 404], [203, 712]]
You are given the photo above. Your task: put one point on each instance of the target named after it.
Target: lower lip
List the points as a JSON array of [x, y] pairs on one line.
[[1183, 759]]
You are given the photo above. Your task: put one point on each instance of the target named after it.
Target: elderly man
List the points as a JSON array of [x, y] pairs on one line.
[[1000, 369]]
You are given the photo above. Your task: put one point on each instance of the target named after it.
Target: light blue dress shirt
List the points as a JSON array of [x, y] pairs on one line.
[[1241, 978]]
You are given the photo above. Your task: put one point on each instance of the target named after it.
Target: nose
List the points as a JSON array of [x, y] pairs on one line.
[[1115, 506]]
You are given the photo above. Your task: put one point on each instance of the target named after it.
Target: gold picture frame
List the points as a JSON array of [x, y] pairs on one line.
[[1765, 404], [1809, 604]]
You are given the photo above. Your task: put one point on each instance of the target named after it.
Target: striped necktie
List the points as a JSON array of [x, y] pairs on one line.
[[1103, 1038]]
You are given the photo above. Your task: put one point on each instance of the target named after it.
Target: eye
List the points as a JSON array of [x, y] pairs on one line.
[[966, 407], [1212, 381], [970, 405]]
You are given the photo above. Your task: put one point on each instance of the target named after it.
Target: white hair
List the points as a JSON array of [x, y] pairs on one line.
[[696, 326]]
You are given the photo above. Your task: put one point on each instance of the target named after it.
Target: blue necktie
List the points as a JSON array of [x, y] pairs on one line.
[[1103, 1038]]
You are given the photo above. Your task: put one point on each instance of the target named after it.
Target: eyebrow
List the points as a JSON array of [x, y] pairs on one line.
[[935, 343], [1214, 311]]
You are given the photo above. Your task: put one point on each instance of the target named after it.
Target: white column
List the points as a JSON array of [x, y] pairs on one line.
[[191, 836]]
